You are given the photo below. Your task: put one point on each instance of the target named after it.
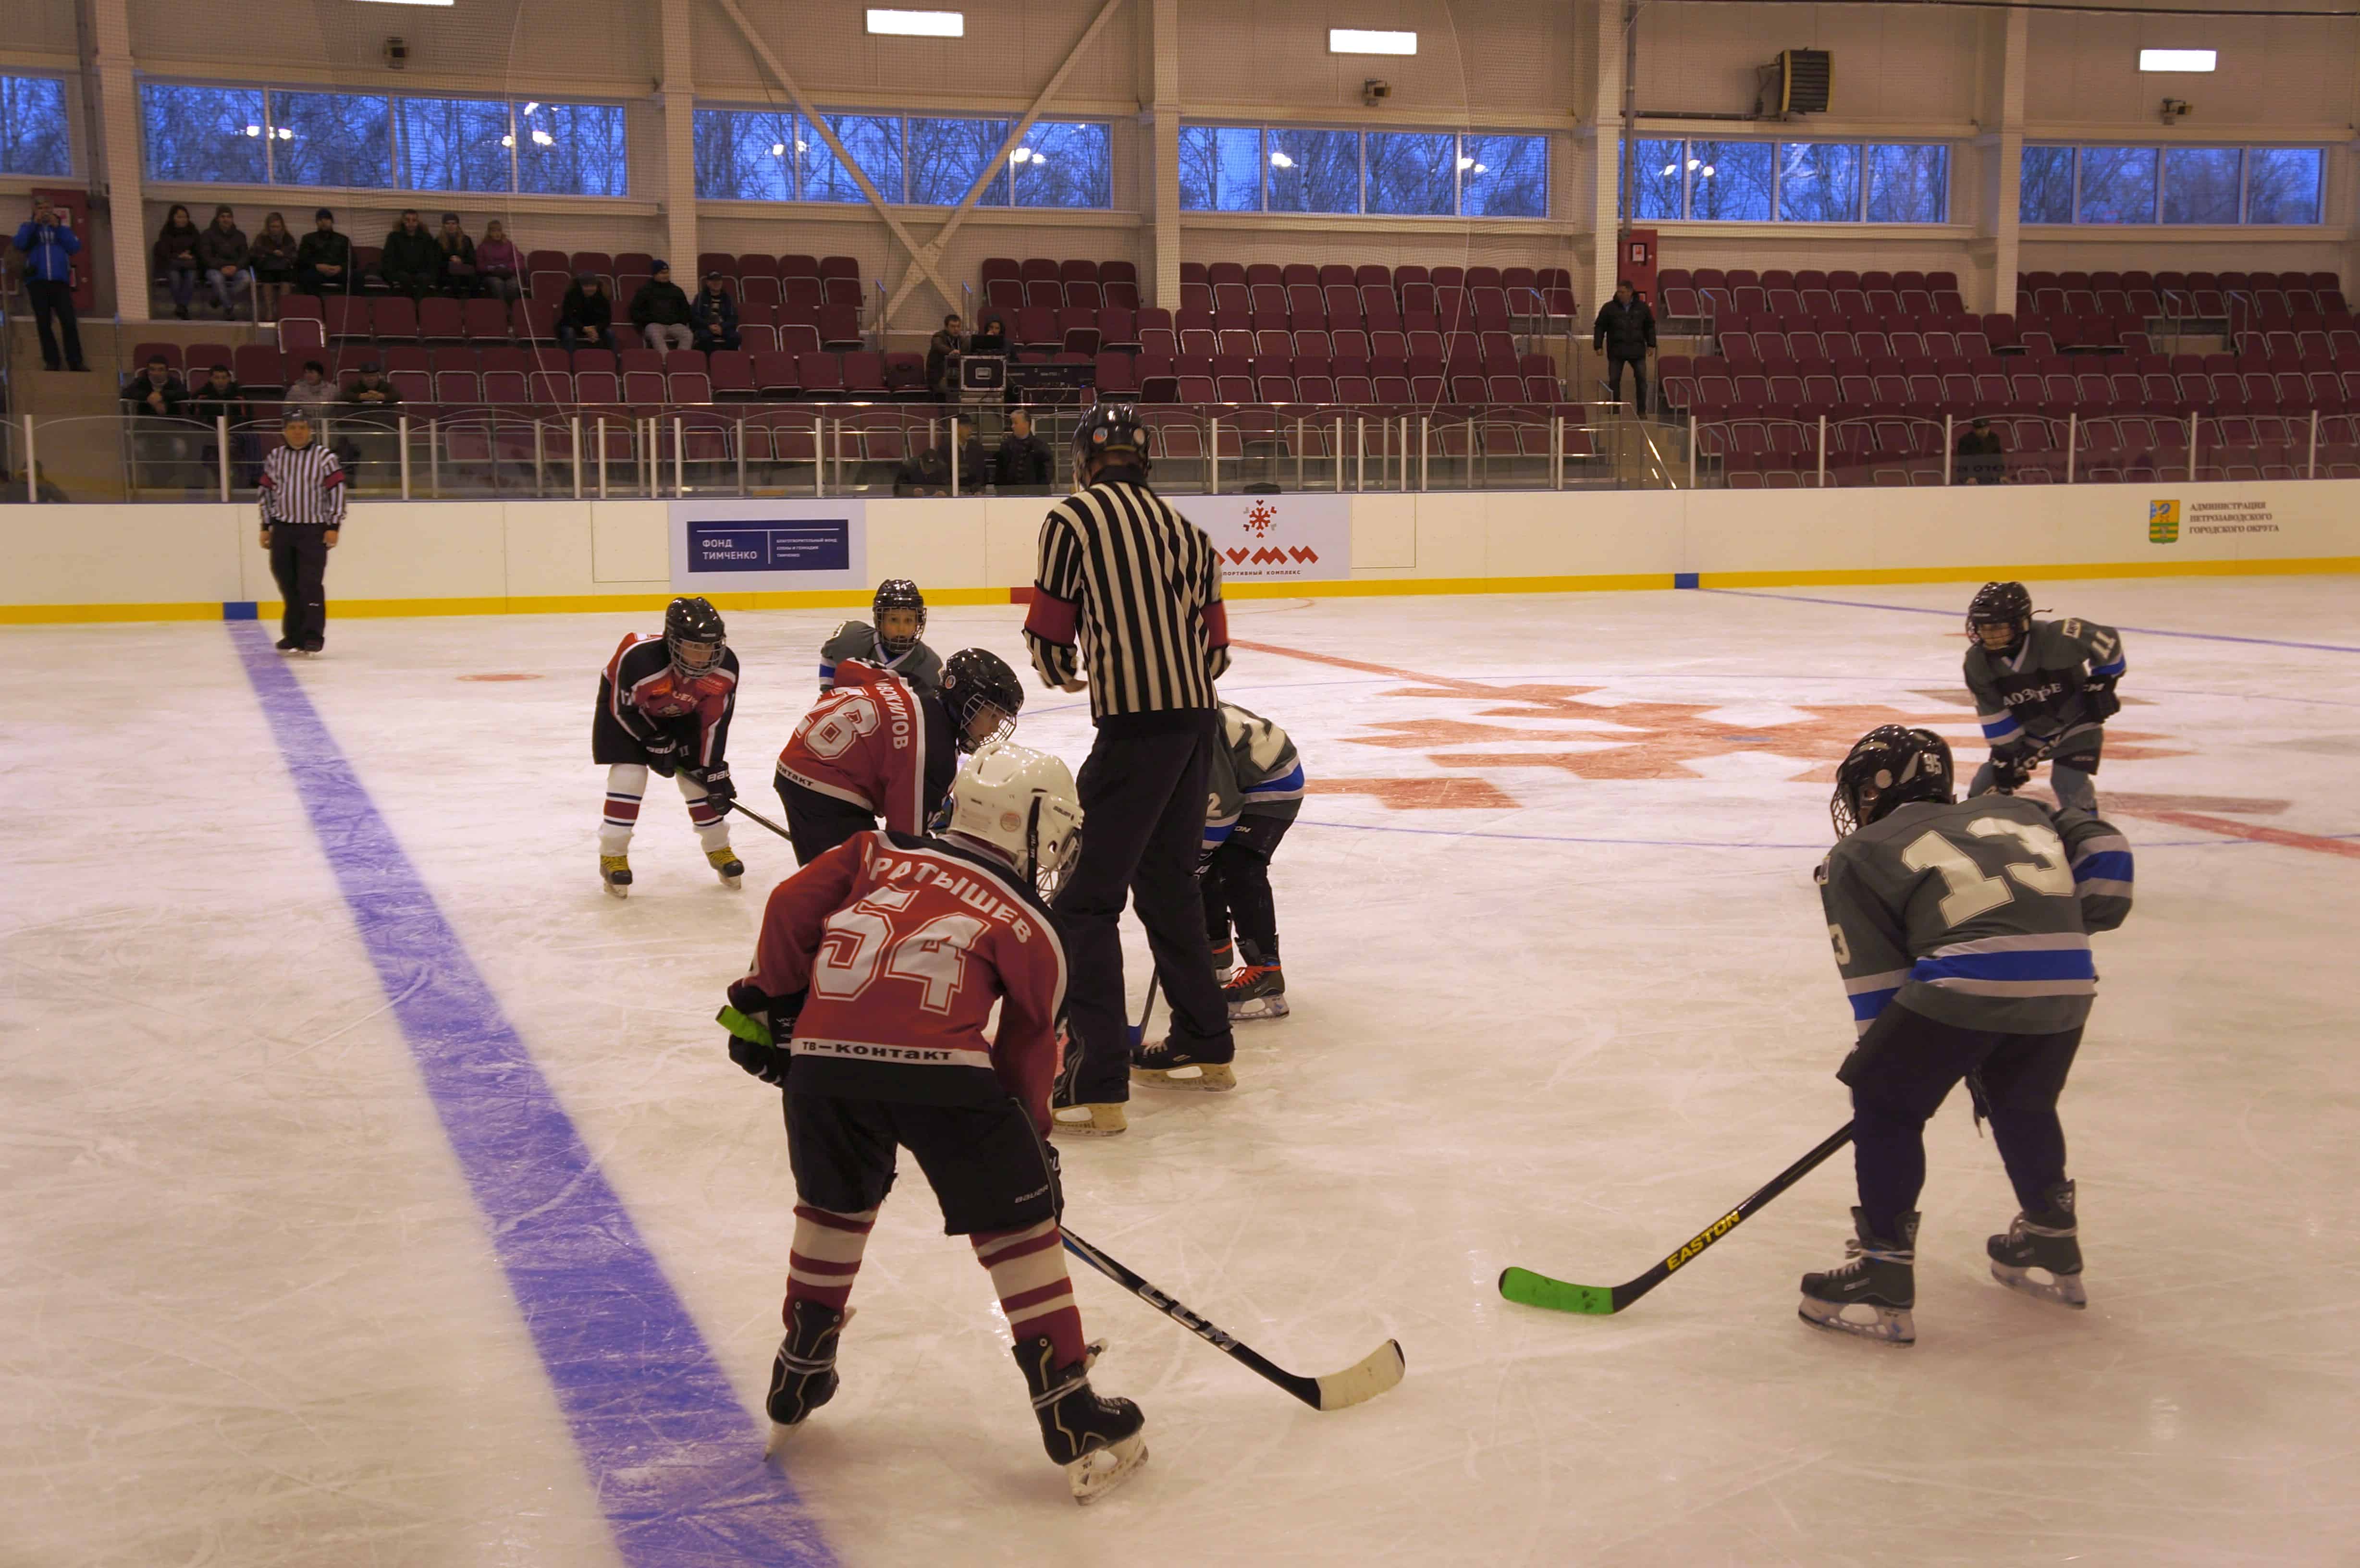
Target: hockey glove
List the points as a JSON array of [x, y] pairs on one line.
[[718, 790], [2011, 770], [758, 1027], [663, 755], [2099, 703]]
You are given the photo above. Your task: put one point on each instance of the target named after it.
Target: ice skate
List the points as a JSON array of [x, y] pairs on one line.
[[314, 648], [1225, 959], [803, 1374], [725, 864], [1257, 991], [615, 875], [285, 645], [1172, 1066], [2045, 1244], [1107, 1119], [1880, 1274], [1100, 1442]]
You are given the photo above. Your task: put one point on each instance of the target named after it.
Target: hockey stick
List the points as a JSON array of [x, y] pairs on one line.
[[1138, 1030], [1365, 1379], [1531, 1290], [739, 807]]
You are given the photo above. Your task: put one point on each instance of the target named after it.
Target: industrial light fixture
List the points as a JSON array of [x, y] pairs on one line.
[[2177, 59], [410, 2], [919, 23], [1361, 41]]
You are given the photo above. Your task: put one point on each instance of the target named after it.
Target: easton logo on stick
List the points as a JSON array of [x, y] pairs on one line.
[[1704, 1238]]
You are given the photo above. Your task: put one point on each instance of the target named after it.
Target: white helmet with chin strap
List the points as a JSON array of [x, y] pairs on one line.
[[1021, 802]]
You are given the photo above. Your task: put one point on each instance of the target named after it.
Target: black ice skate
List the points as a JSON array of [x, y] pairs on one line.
[[1173, 1066], [726, 865], [1257, 991], [2043, 1244], [615, 875], [1225, 958], [285, 645], [803, 1374], [1881, 1275], [1098, 1440]]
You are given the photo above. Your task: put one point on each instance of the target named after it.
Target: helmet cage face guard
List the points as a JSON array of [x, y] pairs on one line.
[[1925, 775], [1048, 875], [2005, 605], [692, 657], [897, 594]]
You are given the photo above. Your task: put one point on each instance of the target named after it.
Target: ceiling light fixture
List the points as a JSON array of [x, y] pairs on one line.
[[1361, 40], [919, 23]]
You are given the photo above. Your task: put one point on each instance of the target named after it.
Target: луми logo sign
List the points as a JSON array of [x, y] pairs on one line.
[[2163, 522]]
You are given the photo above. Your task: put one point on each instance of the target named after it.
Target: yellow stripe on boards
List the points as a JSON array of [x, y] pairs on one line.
[[2291, 566], [56, 614], [1361, 587]]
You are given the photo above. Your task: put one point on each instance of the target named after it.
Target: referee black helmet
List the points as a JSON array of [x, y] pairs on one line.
[[1109, 432]]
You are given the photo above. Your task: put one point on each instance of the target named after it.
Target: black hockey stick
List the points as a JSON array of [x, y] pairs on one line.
[[1364, 1380], [1138, 1030], [739, 807], [1531, 1290]]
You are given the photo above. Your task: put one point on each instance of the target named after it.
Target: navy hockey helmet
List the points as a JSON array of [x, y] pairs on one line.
[[2004, 604], [897, 594], [1890, 766], [973, 679], [1109, 432], [694, 636]]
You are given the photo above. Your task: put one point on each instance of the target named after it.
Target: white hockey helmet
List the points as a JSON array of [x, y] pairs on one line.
[[1021, 802]]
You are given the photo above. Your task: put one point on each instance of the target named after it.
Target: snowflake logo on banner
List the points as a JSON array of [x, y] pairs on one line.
[[1261, 519]]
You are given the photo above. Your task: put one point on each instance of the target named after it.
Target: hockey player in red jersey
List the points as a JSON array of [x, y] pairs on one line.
[[665, 704], [880, 962], [877, 745]]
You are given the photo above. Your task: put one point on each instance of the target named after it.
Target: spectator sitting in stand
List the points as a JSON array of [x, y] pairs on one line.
[[499, 262], [176, 257], [1980, 457], [312, 388], [411, 262], [715, 313], [586, 316], [659, 311], [274, 266], [1625, 332], [223, 249], [929, 473], [323, 262], [942, 357], [48, 244], [992, 339], [373, 390], [220, 397], [460, 278], [155, 391], [1026, 465]]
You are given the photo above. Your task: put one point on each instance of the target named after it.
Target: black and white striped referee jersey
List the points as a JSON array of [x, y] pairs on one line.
[[303, 486], [1132, 589]]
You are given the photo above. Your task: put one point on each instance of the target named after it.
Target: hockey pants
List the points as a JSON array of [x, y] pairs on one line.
[[626, 783], [2073, 785], [1236, 886]]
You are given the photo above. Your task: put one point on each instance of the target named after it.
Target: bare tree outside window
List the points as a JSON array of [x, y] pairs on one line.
[[34, 138], [745, 154]]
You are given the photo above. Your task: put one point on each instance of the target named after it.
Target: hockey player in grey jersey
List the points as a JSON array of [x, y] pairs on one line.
[[2042, 689], [891, 644], [1961, 929], [1254, 784]]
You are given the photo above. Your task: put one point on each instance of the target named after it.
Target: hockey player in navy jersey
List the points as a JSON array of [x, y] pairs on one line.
[[664, 706], [1255, 791], [1961, 929], [2042, 689], [890, 641]]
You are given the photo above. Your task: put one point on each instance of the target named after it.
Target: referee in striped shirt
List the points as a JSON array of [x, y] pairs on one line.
[[302, 514], [1132, 589]]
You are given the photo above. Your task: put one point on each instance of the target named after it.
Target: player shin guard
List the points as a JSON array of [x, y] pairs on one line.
[[626, 783], [1028, 1269], [827, 1256]]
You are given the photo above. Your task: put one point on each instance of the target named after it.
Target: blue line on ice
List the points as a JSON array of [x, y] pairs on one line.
[[1960, 615], [675, 1459]]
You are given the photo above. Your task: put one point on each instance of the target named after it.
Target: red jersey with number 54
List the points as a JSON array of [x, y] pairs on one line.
[[905, 944], [865, 742]]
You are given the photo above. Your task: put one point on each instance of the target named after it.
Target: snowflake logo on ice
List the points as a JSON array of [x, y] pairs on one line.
[[1260, 519]]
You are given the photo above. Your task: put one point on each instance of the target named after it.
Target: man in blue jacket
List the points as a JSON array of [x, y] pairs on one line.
[[49, 242]]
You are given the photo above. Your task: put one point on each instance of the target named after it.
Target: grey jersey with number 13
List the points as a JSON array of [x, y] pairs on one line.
[[1973, 913]]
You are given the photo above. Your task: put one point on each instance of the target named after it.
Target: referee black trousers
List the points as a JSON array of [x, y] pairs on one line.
[[1142, 794], [298, 560]]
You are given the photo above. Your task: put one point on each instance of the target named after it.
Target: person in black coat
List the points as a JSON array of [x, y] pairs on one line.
[[323, 262], [942, 357], [412, 261], [155, 391], [1980, 458], [1625, 332], [585, 317], [715, 314], [659, 309], [1024, 463]]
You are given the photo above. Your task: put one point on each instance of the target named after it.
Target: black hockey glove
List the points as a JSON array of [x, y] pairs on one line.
[[663, 755], [718, 790], [2012, 770], [759, 1027], [2099, 703]]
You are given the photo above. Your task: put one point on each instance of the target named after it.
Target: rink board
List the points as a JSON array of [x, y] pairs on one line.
[[204, 562]]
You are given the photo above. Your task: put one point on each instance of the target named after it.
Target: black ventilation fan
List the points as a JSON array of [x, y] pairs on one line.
[[1803, 79]]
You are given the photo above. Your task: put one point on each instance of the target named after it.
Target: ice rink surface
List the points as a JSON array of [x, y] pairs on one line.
[[1561, 995]]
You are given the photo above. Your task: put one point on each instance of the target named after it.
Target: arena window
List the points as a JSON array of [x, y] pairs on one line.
[[1792, 182], [2172, 185], [760, 155], [34, 138], [252, 136], [1298, 169]]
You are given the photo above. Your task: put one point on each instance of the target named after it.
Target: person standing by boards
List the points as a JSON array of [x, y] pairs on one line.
[[1132, 589], [302, 520]]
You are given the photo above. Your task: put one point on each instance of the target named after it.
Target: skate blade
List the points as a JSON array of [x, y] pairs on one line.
[[781, 1436], [733, 882], [2059, 1289], [1209, 1077], [617, 889], [1892, 1325], [1095, 1475], [1259, 1007]]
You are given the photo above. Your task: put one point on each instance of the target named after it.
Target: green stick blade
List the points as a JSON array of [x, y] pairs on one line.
[[1528, 1288]]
